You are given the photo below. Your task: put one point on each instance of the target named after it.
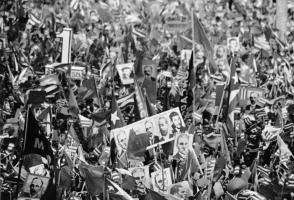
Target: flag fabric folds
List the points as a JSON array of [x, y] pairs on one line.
[[35, 140], [233, 98], [94, 178]]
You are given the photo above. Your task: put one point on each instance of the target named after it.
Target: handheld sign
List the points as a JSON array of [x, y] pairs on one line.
[[66, 36]]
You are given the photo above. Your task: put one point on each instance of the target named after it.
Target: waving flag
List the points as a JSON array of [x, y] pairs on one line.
[[116, 115], [200, 37], [233, 94]]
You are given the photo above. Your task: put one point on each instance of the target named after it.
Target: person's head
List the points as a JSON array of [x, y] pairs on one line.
[[36, 185], [148, 70], [126, 72], [149, 128], [233, 43], [139, 175], [182, 144], [161, 181], [178, 191], [122, 139], [163, 126], [176, 120], [220, 52]]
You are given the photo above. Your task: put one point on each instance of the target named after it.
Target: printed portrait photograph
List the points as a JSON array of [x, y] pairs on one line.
[[220, 52], [149, 68], [233, 44], [142, 177], [181, 190], [161, 180], [121, 140], [177, 124], [35, 186], [182, 145], [126, 73]]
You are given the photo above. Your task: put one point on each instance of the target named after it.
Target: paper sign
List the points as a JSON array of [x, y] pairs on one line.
[[126, 73]]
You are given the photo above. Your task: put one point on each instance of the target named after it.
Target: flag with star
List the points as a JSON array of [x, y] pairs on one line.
[[232, 97], [116, 115]]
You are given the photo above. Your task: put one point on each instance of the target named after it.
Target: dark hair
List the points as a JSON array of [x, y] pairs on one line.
[[172, 114], [38, 179], [175, 189]]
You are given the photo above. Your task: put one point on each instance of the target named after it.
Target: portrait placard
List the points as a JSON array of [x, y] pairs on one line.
[[35, 186], [233, 44], [126, 73], [161, 180], [161, 127], [182, 145], [142, 176], [181, 190]]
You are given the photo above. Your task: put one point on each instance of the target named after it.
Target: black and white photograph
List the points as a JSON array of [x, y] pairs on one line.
[[35, 186], [233, 44], [146, 100], [161, 180], [181, 190], [126, 73]]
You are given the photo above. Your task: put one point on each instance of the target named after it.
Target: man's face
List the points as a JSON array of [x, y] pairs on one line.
[[233, 45], [139, 179], [163, 127], [35, 186], [182, 193], [126, 72], [149, 128], [176, 121], [183, 145], [122, 140], [148, 71], [161, 182]]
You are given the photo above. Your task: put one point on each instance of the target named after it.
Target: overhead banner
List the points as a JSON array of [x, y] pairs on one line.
[[160, 127]]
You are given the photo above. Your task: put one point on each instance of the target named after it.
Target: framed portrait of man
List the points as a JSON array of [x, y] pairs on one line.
[[35, 186], [126, 73], [233, 44], [182, 145], [121, 140], [181, 190], [142, 177], [161, 180], [220, 52]]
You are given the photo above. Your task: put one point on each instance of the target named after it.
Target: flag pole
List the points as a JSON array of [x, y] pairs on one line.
[[193, 52]]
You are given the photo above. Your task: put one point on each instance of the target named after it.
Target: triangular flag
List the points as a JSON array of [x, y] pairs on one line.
[[117, 120]]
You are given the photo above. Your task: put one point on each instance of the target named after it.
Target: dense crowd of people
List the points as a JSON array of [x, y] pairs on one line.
[[146, 100]]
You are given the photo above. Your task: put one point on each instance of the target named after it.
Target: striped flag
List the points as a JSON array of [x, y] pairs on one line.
[[209, 171], [263, 170], [288, 128], [233, 93], [261, 114], [125, 101], [85, 122], [261, 101], [97, 150], [197, 116], [34, 20], [74, 4], [139, 33], [290, 181]]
